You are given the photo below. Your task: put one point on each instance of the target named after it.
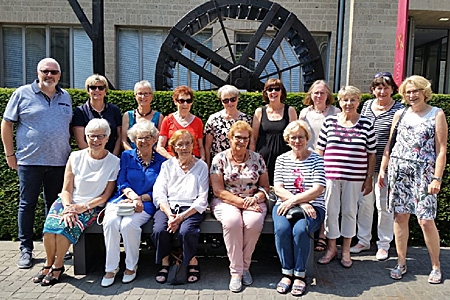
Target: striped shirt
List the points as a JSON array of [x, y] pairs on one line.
[[382, 124], [299, 176], [346, 148]]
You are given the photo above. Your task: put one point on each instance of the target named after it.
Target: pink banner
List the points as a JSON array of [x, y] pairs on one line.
[[401, 41]]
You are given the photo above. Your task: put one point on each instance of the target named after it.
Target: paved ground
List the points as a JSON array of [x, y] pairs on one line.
[[367, 279]]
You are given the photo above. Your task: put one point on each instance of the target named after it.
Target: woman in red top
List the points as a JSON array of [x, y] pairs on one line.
[[183, 97]]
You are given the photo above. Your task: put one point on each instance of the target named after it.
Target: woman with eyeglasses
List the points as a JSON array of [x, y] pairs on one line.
[[319, 99], [415, 169], [181, 196], [143, 93], [381, 112], [183, 97], [89, 181], [138, 171], [269, 123], [347, 142], [237, 175], [219, 123], [97, 107]]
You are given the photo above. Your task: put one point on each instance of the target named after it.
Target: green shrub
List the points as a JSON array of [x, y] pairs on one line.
[[205, 104]]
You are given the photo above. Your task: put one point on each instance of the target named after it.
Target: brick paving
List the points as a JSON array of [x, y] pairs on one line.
[[367, 279]]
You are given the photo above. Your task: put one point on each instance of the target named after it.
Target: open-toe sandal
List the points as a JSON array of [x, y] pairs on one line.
[[435, 276], [40, 275], [298, 289], [193, 271], [398, 272], [161, 273], [283, 288], [320, 245], [49, 279]]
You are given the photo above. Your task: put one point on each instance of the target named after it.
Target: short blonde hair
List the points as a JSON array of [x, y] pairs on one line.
[[420, 83], [176, 136], [349, 90], [295, 126], [94, 79], [240, 126]]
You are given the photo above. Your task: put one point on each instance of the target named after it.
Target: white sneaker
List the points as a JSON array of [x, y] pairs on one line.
[[358, 248], [382, 255], [109, 281]]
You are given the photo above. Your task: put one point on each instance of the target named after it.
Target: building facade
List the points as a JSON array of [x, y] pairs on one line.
[[356, 39]]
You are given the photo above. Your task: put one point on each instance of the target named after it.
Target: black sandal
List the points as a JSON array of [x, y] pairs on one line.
[[283, 288], [163, 274], [298, 290], [50, 279], [320, 245], [195, 273], [40, 275]]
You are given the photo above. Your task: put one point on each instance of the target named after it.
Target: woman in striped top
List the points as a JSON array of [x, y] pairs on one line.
[[347, 142], [299, 181], [381, 111]]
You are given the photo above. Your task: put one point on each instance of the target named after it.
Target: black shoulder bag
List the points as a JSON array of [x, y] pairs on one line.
[[394, 133]]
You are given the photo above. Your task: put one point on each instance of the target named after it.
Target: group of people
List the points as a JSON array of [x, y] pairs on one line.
[[329, 162]]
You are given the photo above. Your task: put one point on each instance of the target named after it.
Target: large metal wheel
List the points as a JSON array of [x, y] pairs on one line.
[[223, 59]]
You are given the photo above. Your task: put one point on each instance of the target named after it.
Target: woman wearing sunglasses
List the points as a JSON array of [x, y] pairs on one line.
[[183, 97], [218, 124], [269, 123], [97, 107]]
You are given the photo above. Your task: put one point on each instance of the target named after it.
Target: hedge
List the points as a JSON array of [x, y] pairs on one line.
[[205, 104]]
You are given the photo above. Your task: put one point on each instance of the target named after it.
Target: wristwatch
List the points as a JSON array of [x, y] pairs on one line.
[[437, 179], [256, 197]]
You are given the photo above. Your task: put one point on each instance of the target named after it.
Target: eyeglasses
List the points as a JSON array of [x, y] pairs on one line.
[[144, 94], [383, 74], [53, 72], [297, 138], [183, 145], [318, 93], [413, 92], [227, 100], [96, 136], [144, 138], [188, 101], [97, 87], [351, 100], [271, 89], [241, 138]]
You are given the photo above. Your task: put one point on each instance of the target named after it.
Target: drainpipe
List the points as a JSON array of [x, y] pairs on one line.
[[339, 39]]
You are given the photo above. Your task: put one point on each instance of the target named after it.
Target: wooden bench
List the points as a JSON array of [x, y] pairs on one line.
[[91, 244]]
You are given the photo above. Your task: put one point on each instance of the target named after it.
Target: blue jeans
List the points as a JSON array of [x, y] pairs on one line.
[[293, 242], [31, 178]]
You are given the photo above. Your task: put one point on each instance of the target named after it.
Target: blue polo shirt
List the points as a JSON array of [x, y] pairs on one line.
[[43, 136]]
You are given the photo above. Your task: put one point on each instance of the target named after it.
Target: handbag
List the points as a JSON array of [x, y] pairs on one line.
[[271, 198], [177, 271], [125, 209], [394, 132], [295, 213]]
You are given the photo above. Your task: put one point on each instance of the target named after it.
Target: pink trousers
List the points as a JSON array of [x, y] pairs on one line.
[[241, 230]]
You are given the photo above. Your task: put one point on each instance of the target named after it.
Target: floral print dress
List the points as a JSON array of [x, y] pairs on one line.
[[411, 167]]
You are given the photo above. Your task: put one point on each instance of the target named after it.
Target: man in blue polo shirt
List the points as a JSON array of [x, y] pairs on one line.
[[42, 113]]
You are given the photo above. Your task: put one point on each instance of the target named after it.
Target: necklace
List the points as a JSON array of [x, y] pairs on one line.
[[383, 107], [321, 111], [146, 114], [185, 167], [238, 161], [141, 160]]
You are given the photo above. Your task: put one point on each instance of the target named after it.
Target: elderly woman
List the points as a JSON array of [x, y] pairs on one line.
[[416, 166], [97, 107], [380, 111], [138, 171], [347, 142], [89, 181], [183, 97], [180, 193], [269, 122], [218, 124], [299, 181], [143, 94], [319, 99], [237, 174]]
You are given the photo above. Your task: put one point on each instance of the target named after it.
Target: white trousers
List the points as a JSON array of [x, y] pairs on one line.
[[341, 196], [130, 228], [385, 226]]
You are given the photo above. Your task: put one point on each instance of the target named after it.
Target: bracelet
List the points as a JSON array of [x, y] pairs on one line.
[[11, 155]]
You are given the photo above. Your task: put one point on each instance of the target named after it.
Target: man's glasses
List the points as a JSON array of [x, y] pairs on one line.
[[271, 89], [228, 100], [97, 87], [188, 101], [96, 136], [383, 74], [53, 72]]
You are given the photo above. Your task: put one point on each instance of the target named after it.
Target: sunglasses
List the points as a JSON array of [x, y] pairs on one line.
[[383, 74], [228, 100], [53, 72], [276, 89], [188, 101], [97, 87]]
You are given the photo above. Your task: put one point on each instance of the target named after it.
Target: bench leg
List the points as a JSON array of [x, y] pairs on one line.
[[79, 256], [310, 263], [89, 251]]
